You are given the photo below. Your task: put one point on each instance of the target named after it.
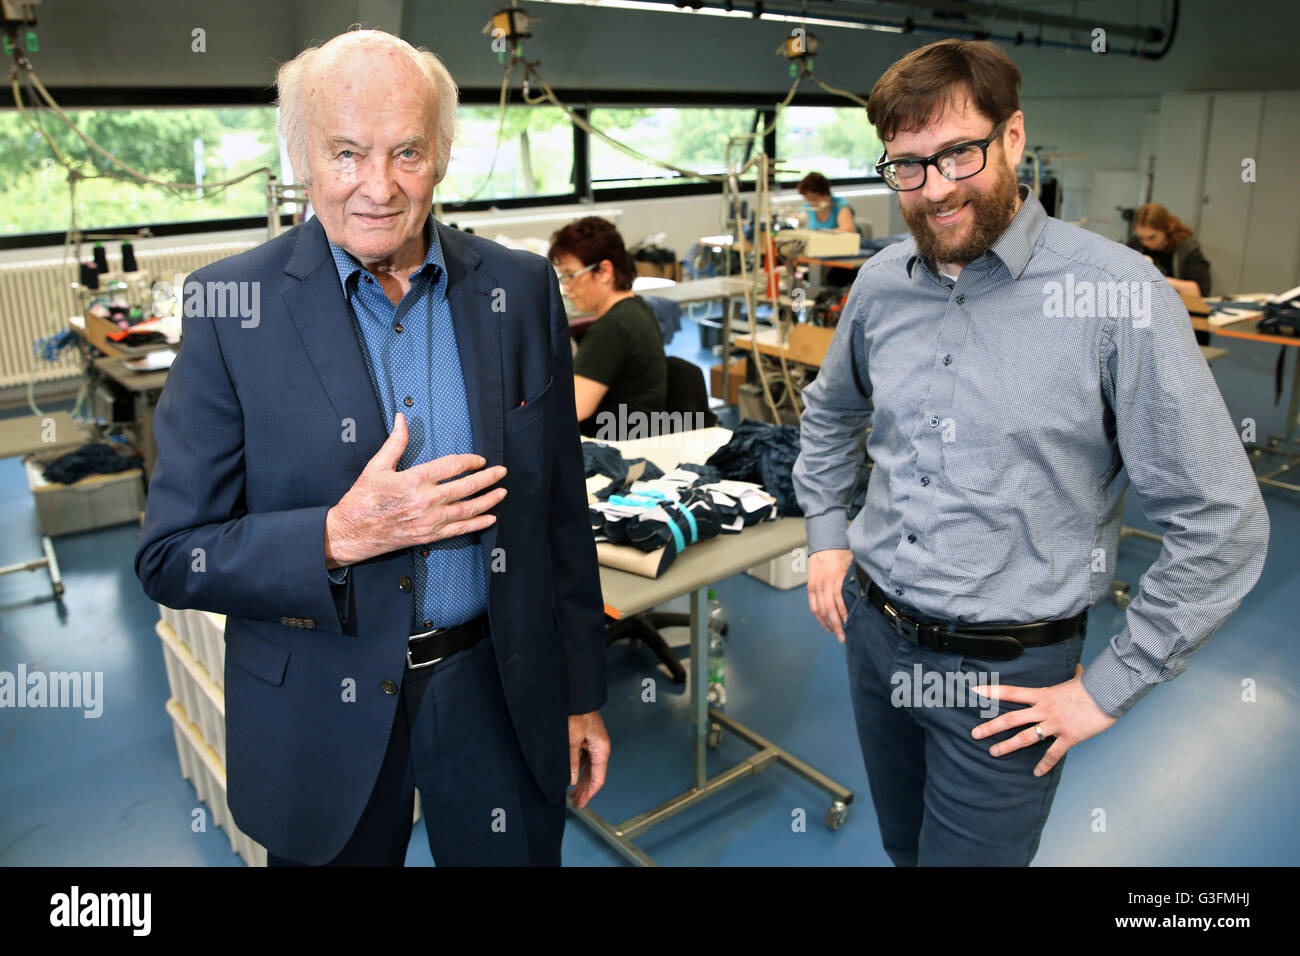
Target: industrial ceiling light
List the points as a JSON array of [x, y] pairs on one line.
[[756, 12]]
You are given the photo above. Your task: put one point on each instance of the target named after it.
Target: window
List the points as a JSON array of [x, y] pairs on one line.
[[690, 137], [535, 158], [178, 145], [836, 141]]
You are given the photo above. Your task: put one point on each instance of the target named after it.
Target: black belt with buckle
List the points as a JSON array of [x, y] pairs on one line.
[[428, 647], [999, 642]]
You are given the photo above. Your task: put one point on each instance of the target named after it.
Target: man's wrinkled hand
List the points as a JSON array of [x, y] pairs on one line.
[[388, 510], [588, 756]]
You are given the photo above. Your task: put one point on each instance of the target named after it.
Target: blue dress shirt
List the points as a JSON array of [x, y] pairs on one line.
[[410, 353], [1011, 409]]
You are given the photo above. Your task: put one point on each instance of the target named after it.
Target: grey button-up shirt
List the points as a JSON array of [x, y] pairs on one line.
[[1010, 411]]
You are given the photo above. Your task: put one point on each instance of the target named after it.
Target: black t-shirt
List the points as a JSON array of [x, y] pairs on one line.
[[624, 349], [1164, 261]]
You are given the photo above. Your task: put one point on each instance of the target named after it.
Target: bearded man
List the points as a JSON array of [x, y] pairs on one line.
[[1020, 373]]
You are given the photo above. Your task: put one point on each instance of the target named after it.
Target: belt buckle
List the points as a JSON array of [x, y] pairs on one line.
[[414, 666], [899, 623], [409, 662]]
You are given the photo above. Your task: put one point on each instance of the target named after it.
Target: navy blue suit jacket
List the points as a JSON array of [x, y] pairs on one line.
[[261, 428]]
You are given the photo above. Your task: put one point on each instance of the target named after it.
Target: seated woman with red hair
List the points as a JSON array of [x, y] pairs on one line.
[[1169, 243]]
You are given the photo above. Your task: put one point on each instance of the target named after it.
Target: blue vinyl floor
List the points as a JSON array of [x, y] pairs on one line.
[[1193, 776]]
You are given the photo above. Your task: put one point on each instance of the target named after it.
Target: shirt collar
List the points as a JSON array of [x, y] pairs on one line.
[[348, 266], [1016, 244]]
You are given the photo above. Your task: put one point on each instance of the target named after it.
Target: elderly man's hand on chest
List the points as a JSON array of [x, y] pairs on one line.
[[387, 510]]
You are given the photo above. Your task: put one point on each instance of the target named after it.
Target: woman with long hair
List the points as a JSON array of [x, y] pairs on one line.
[[1168, 242]]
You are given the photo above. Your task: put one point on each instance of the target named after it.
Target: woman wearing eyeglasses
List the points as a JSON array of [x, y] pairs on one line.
[[821, 210], [620, 361]]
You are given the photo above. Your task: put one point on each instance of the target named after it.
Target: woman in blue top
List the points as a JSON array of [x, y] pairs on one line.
[[820, 210]]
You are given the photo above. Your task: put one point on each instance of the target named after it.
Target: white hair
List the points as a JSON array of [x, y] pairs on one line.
[[290, 81]]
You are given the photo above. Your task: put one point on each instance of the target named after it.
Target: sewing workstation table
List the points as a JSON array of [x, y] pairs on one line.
[[697, 567], [1285, 445]]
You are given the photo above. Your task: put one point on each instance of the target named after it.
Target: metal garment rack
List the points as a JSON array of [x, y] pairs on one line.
[[711, 559]]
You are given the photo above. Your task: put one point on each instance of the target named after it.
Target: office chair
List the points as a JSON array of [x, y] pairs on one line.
[[688, 395]]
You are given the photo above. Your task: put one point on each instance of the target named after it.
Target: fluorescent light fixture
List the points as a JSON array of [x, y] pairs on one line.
[[645, 5]]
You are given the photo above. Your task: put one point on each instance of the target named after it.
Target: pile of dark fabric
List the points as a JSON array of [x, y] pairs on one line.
[[598, 459], [92, 459], [677, 510], [765, 454], [689, 519]]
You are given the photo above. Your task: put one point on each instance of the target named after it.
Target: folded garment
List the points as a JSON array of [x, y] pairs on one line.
[[598, 459], [664, 516]]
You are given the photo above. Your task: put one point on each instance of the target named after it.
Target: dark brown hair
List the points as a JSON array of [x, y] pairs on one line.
[[1152, 215], [815, 183], [591, 239], [915, 90]]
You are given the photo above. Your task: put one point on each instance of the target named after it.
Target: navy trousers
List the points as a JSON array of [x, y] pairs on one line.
[[452, 737], [941, 799]]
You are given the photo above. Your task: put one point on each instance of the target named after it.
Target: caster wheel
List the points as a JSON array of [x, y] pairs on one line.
[[836, 815], [58, 591], [715, 734]]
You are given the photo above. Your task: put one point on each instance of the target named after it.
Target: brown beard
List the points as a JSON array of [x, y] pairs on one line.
[[993, 209]]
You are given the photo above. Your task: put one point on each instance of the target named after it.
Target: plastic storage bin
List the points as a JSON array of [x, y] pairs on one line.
[[203, 700], [96, 501], [200, 766], [779, 572], [204, 633]]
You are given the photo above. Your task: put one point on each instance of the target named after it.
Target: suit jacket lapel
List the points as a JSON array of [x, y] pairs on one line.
[[324, 322], [478, 340]]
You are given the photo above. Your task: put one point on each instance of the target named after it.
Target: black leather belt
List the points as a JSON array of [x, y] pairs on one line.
[[999, 642], [428, 647]]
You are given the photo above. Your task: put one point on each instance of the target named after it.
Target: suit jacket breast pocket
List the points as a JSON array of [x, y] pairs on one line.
[[532, 409]]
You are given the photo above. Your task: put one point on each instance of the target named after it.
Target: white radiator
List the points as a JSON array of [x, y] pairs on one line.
[[36, 300]]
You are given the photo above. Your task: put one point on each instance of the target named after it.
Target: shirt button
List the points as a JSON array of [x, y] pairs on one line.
[[911, 539], [424, 552], [407, 401], [389, 687], [397, 327], [961, 300], [428, 625], [369, 279], [947, 360], [925, 479], [404, 584], [898, 591], [934, 422]]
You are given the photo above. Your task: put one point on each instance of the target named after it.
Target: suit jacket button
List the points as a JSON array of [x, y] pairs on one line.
[[308, 623], [389, 687], [286, 621], [404, 583]]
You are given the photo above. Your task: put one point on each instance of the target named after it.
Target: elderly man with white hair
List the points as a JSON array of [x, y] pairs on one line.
[[379, 481]]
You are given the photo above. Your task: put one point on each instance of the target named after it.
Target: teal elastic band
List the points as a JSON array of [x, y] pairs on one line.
[[677, 535], [631, 503], [690, 520]]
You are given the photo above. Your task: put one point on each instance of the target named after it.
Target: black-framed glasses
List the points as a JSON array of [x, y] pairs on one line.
[[960, 161]]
